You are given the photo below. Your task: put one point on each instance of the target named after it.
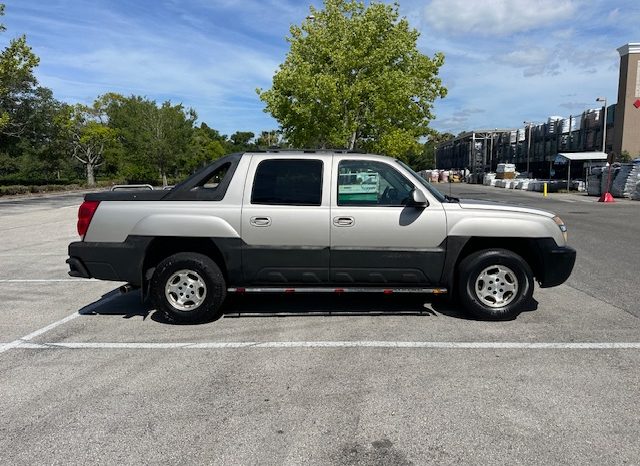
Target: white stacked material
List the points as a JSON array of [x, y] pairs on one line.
[[487, 178], [444, 175], [626, 179], [493, 182], [508, 184], [524, 184], [506, 168], [576, 124], [500, 183], [619, 183], [434, 176]]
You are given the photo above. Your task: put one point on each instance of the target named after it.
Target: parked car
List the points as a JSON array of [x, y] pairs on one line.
[[316, 222]]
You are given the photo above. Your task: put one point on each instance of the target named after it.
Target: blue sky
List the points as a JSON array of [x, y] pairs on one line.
[[506, 60]]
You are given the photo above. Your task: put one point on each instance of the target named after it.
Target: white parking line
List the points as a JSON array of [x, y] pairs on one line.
[[331, 344], [45, 280], [32, 335], [33, 254]]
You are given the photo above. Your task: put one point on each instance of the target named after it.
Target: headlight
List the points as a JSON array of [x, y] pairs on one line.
[[562, 226]]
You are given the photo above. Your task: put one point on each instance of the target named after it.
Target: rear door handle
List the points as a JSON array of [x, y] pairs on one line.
[[343, 221], [260, 221]]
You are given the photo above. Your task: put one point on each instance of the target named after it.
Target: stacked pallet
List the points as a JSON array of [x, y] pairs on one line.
[[506, 171], [594, 182]]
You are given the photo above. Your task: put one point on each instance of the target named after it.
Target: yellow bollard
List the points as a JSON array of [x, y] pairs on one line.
[[544, 192]]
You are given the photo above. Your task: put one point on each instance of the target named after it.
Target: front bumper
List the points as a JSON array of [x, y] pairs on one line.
[[120, 262], [557, 264]]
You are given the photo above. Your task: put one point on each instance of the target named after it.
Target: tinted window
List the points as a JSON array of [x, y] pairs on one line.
[[288, 182], [368, 183], [213, 181]]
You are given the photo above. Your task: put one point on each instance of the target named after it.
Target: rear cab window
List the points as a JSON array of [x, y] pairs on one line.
[[295, 182]]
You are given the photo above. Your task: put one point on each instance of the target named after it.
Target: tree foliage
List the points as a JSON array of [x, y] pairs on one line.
[[89, 137], [155, 137], [354, 78], [18, 84]]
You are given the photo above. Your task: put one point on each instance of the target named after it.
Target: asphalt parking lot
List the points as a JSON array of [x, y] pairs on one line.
[[89, 375]]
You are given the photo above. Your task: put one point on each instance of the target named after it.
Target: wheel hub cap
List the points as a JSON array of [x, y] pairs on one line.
[[185, 290], [496, 286]]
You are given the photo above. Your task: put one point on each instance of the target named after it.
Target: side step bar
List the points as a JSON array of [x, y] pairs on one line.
[[338, 290]]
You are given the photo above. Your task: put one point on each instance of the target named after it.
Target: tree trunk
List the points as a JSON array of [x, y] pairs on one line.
[[352, 142], [91, 179], [164, 180]]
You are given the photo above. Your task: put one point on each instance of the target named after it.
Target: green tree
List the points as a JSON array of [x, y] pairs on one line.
[[240, 141], [354, 78], [17, 82], [155, 138], [425, 159], [269, 139], [170, 127], [203, 148], [88, 135]]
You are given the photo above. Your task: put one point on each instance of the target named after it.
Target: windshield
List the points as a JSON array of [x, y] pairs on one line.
[[437, 194]]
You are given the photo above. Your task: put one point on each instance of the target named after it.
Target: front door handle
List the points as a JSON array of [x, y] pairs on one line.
[[343, 221], [260, 221]]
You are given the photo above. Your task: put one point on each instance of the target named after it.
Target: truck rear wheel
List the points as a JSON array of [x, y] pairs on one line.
[[188, 287], [494, 284]]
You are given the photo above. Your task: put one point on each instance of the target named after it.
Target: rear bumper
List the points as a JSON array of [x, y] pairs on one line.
[[557, 264], [120, 262]]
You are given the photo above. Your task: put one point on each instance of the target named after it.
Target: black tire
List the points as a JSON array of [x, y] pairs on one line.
[[476, 294], [203, 305]]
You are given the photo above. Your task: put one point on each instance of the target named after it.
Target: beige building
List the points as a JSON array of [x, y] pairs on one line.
[[626, 131]]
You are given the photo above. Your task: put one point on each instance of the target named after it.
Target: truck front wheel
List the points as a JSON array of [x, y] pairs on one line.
[[494, 284], [188, 287]]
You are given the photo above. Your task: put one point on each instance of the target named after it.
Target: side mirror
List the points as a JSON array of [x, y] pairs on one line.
[[418, 199]]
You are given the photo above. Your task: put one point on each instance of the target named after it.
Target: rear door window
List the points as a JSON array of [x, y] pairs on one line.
[[288, 182]]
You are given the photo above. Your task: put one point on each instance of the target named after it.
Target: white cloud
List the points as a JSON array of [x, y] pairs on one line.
[[533, 60], [495, 17]]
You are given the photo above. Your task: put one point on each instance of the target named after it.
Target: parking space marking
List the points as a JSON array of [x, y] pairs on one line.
[[329, 344], [32, 254], [45, 280], [37, 333]]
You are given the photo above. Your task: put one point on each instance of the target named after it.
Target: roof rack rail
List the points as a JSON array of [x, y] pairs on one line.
[[117, 187], [307, 151]]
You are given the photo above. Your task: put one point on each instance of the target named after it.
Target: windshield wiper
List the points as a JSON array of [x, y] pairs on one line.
[[451, 198]]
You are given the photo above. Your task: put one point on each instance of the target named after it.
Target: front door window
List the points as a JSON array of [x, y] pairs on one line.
[[370, 183]]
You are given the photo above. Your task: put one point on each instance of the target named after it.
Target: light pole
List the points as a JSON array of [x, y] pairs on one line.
[[606, 196], [604, 124], [528, 123]]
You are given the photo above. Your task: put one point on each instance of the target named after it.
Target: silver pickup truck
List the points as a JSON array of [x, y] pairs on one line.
[[316, 222]]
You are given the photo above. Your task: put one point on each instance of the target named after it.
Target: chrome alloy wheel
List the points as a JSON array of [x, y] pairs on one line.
[[496, 286], [185, 290]]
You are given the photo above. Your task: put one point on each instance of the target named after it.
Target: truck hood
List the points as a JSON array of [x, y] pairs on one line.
[[473, 204]]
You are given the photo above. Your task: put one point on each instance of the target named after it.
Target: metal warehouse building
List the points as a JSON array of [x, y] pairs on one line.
[[534, 147]]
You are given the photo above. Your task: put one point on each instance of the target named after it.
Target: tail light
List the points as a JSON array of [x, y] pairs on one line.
[[85, 214]]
